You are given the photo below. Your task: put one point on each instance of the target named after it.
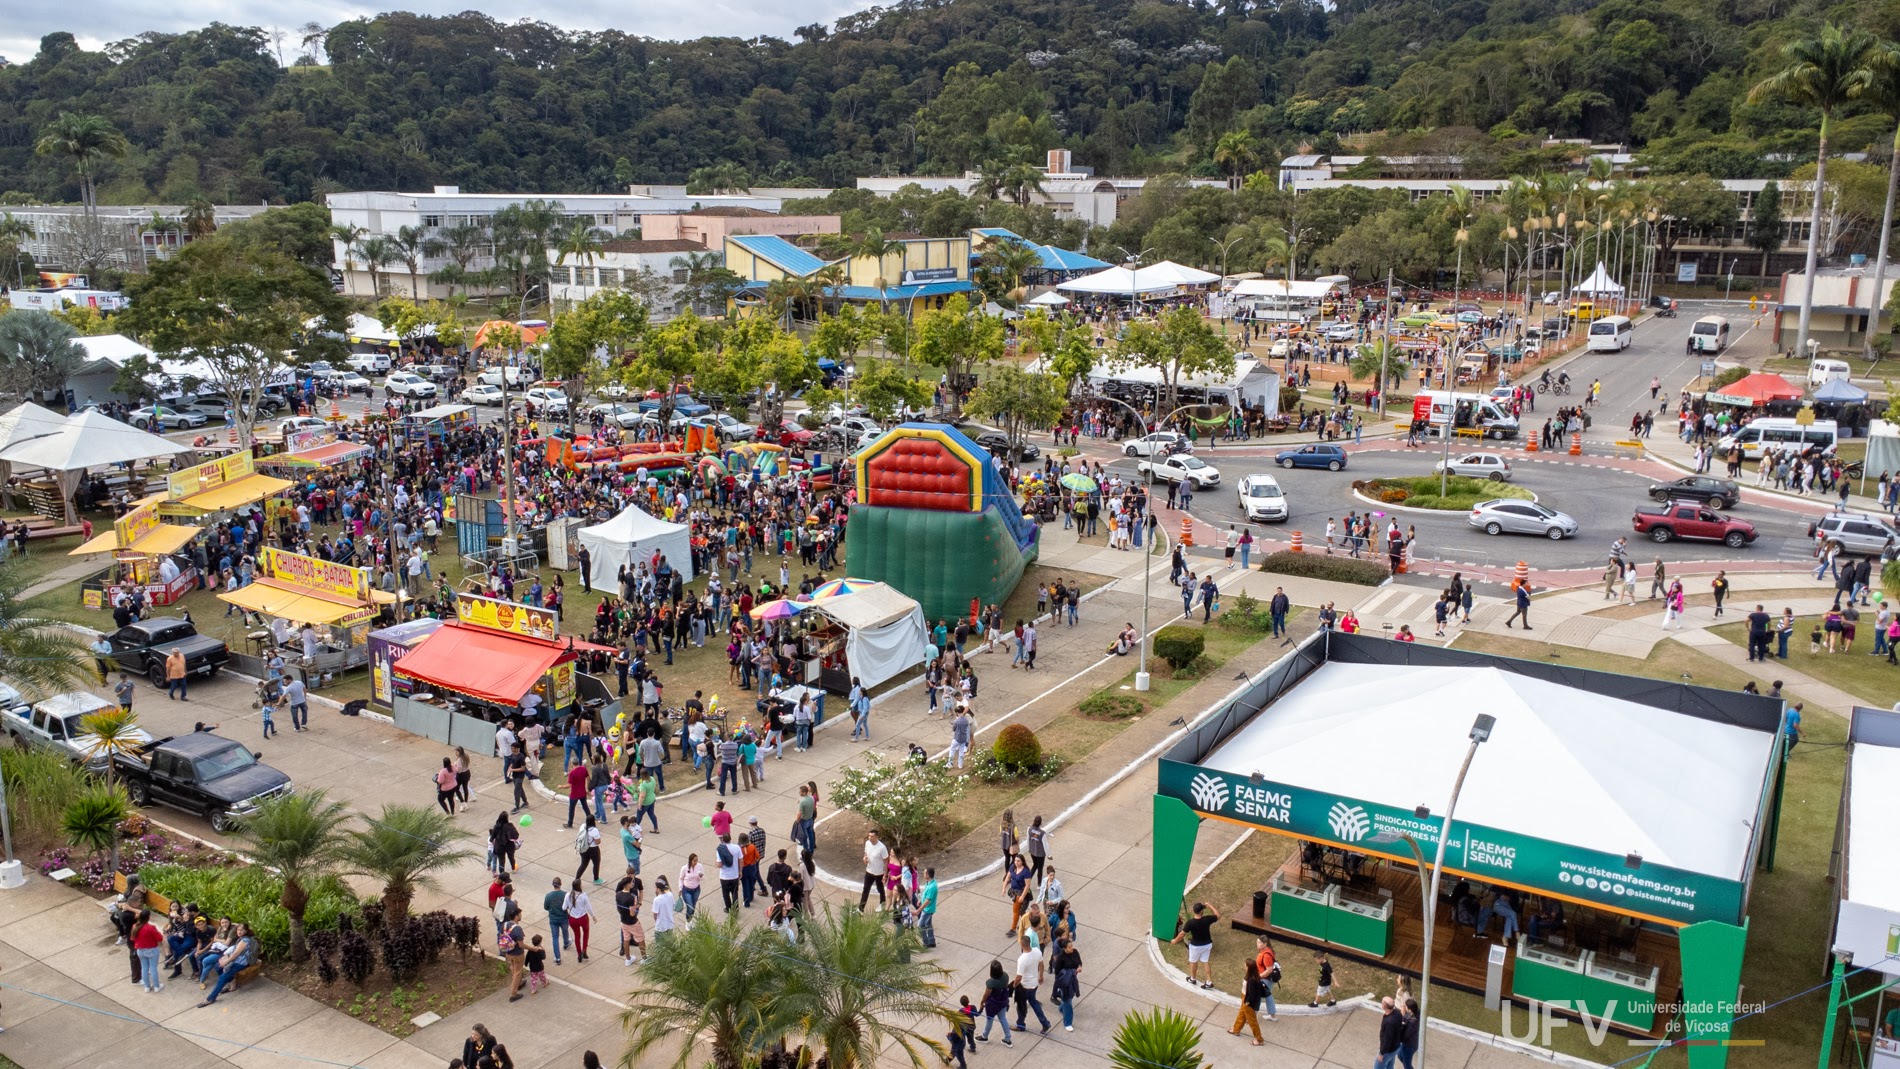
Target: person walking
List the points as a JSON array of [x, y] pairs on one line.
[[1391, 1034], [876, 861], [462, 764], [175, 675], [1277, 608], [513, 945], [1408, 1039], [147, 941], [926, 908], [1253, 992], [516, 766], [502, 839], [555, 903], [728, 857], [1521, 588], [1029, 968], [1658, 581], [996, 1003], [630, 843], [577, 777], [587, 845], [445, 787], [579, 911], [1065, 968], [1719, 585], [1036, 845]]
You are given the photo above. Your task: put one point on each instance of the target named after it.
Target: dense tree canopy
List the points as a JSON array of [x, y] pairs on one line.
[[404, 101]]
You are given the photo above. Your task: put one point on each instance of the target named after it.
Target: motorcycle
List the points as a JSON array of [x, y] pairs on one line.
[[1665, 313]]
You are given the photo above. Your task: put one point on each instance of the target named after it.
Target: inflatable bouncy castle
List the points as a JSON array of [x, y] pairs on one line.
[[935, 519]]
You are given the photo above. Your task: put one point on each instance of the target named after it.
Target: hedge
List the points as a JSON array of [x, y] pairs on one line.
[[1017, 747], [1179, 646], [251, 895], [1316, 565]]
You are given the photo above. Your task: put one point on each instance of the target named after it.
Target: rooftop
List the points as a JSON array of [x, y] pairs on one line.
[[636, 246]]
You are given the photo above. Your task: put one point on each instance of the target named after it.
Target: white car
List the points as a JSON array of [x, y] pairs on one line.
[[483, 393], [626, 417], [855, 427], [1492, 466], [546, 399], [1149, 444], [730, 429], [367, 362], [298, 423], [1262, 499], [408, 384], [352, 382], [515, 376], [165, 418], [1181, 467], [1341, 332]]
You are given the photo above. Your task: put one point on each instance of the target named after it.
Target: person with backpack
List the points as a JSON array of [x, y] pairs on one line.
[[512, 943], [749, 857], [996, 1003], [587, 845]]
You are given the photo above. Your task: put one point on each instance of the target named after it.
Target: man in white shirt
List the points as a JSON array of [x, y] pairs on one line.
[[876, 858], [505, 742], [1028, 979]]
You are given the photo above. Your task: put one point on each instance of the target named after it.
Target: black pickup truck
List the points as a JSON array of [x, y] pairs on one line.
[[201, 773], [141, 647]]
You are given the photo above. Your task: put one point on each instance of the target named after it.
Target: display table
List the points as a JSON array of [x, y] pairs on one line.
[[1547, 974], [1360, 922], [1301, 907], [1627, 987]]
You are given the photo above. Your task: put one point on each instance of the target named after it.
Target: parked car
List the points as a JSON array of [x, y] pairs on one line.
[[1262, 499], [515, 376], [437, 373], [730, 429], [165, 417], [996, 444], [141, 647], [1159, 442], [1181, 467], [55, 724], [1418, 319], [203, 773], [544, 400], [1470, 316], [626, 417], [367, 363], [1674, 520], [408, 384], [354, 382], [856, 427], [1330, 457], [1492, 466], [1510, 515], [1340, 332], [1860, 535], [297, 423], [1715, 493], [212, 404], [483, 393]]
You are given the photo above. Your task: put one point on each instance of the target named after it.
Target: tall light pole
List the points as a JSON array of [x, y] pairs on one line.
[[1223, 246], [1142, 679]]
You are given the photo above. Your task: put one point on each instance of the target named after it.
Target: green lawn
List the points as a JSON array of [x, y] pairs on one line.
[[1460, 492], [1866, 677]]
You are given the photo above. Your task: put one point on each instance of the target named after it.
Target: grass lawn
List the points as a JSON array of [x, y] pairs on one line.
[[1871, 679], [1789, 909], [1461, 492]]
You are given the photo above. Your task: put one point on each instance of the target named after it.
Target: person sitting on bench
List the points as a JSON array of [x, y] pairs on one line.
[[229, 964]]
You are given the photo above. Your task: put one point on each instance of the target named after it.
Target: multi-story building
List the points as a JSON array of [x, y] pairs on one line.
[[652, 269], [126, 236], [921, 274], [1069, 191], [711, 226]]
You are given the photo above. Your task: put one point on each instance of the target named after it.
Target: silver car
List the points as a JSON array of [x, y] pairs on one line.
[[1860, 535], [1492, 466], [1510, 515]]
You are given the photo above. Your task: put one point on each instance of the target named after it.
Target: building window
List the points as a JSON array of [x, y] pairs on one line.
[[679, 276], [432, 221]]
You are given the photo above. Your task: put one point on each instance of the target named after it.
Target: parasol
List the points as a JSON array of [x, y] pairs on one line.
[[840, 587], [1079, 482], [778, 609]]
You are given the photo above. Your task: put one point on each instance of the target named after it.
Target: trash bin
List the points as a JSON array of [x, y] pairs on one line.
[[1259, 905]]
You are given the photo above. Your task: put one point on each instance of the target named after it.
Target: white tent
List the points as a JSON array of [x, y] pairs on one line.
[[885, 631], [632, 537], [1595, 772], [1869, 887], [28, 421], [1178, 274], [1052, 299], [88, 439], [1250, 381], [1118, 281], [1298, 289], [1599, 282]]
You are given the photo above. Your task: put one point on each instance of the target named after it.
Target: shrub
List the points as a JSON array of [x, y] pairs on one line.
[[1017, 747], [1111, 706], [1179, 646], [1245, 613], [986, 767], [1726, 376], [251, 895], [40, 785], [1394, 495], [1321, 566], [900, 800]]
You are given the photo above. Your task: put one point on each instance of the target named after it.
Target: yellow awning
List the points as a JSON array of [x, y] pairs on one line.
[[235, 494], [299, 606], [165, 538]]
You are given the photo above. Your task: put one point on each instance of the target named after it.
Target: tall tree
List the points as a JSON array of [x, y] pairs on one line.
[[376, 254], [1017, 400], [37, 352], [1764, 223], [1883, 92], [958, 339], [300, 837], [1179, 343], [408, 245], [716, 981], [406, 847], [866, 984], [874, 246], [85, 141], [1824, 72], [583, 242]]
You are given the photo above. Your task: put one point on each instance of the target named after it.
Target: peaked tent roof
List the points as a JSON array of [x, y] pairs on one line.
[[1054, 259], [1120, 280], [1180, 274], [116, 348], [1052, 299], [1840, 390], [28, 420], [1598, 282], [1762, 388], [89, 439]]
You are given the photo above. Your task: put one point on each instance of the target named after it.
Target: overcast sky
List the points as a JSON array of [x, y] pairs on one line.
[[111, 20]]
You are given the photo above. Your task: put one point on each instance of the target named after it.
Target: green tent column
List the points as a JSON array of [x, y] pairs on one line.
[[1176, 828], [1711, 980]]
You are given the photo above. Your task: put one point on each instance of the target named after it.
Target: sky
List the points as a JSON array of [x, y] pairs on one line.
[[24, 24]]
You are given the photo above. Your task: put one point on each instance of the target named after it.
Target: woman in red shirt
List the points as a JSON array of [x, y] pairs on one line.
[[147, 941]]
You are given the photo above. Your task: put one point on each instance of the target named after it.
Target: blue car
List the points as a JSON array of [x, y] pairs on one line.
[[1330, 457]]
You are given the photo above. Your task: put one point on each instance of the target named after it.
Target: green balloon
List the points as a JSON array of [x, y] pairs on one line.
[[527, 819], [705, 822]]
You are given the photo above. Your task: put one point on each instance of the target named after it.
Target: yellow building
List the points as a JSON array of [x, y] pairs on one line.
[[921, 274]]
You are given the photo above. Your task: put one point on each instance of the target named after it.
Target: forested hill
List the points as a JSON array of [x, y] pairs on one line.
[[404, 101]]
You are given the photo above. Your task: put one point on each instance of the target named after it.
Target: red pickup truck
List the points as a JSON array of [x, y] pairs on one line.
[[1674, 520]]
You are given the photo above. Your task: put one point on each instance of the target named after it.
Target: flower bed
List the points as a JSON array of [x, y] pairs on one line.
[[1422, 492]]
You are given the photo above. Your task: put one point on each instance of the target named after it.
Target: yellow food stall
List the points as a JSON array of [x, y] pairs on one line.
[[230, 482], [141, 544], [335, 599]]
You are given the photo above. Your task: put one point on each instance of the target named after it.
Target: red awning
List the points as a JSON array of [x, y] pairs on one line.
[[485, 664], [1763, 388]]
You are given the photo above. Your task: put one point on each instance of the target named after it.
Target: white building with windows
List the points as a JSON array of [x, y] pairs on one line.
[[137, 234], [651, 269], [1069, 191]]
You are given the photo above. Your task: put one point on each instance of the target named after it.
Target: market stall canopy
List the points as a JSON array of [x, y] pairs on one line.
[[991, 308], [441, 412], [632, 537], [25, 421], [269, 597], [1052, 299], [885, 632], [87, 439], [491, 665], [1117, 281], [1869, 885], [322, 456], [228, 482], [1180, 274], [163, 539], [529, 333], [1757, 389], [1840, 391], [1298, 289], [1598, 282]]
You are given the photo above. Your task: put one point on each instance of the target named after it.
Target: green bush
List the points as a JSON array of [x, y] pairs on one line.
[[1179, 646], [1243, 612], [1017, 747], [1726, 376], [1421, 492], [904, 802], [1111, 706], [40, 785], [254, 896], [1313, 565], [986, 767]]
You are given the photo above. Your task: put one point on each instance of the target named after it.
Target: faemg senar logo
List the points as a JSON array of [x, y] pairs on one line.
[[1210, 793], [1349, 822]]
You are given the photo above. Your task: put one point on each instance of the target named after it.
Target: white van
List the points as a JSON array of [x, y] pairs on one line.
[[1823, 371], [1471, 411], [1782, 434], [1708, 335], [1610, 334]]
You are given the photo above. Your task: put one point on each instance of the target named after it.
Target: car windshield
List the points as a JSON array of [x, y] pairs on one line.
[[223, 762], [1192, 462], [1264, 490]]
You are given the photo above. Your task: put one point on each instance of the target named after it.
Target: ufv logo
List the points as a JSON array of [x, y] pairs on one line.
[[1543, 1019], [1210, 793]]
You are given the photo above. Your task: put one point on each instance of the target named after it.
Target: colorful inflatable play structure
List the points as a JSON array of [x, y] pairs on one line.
[[936, 520]]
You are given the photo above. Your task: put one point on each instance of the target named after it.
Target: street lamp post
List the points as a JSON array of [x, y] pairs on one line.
[[1142, 678]]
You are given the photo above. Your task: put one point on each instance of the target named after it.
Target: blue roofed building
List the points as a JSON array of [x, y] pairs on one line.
[[919, 274]]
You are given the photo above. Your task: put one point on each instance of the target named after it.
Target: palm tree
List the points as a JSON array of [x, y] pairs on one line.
[[408, 245], [110, 734], [85, 141], [863, 981], [12, 233], [405, 848], [780, 295], [200, 219], [584, 243], [1458, 210], [1823, 72], [301, 837], [831, 280], [460, 243], [376, 254], [1012, 260], [872, 245], [716, 980], [693, 269], [38, 656], [1158, 1039], [1235, 154], [1883, 92], [347, 235], [93, 819]]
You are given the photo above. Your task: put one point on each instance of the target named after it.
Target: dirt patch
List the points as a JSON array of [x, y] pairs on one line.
[[444, 986]]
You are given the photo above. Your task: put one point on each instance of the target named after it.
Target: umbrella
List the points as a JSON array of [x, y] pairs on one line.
[[778, 609], [1079, 482], [840, 587]]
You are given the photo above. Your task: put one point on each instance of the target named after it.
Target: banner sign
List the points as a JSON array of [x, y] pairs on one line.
[[1666, 894], [920, 275], [1729, 399], [308, 438], [498, 615], [136, 524], [314, 574], [210, 475]]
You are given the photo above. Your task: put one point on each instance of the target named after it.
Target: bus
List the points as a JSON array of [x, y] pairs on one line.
[[1708, 335], [1611, 334], [1782, 434]]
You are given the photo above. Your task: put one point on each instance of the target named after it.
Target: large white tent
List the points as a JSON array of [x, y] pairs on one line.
[[27, 421], [1869, 885], [1163, 277], [1298, 289], [631, 538], [87, 439], [1564, 765], [885, 630], [1599, 282], [1051, 299]]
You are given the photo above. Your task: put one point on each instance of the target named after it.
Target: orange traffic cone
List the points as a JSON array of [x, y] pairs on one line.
[[1405, 557], [1576, 445], [1522, 575], [1299, 543], [1187, 530], [1530, 445], [230, 435], [336, 411]]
